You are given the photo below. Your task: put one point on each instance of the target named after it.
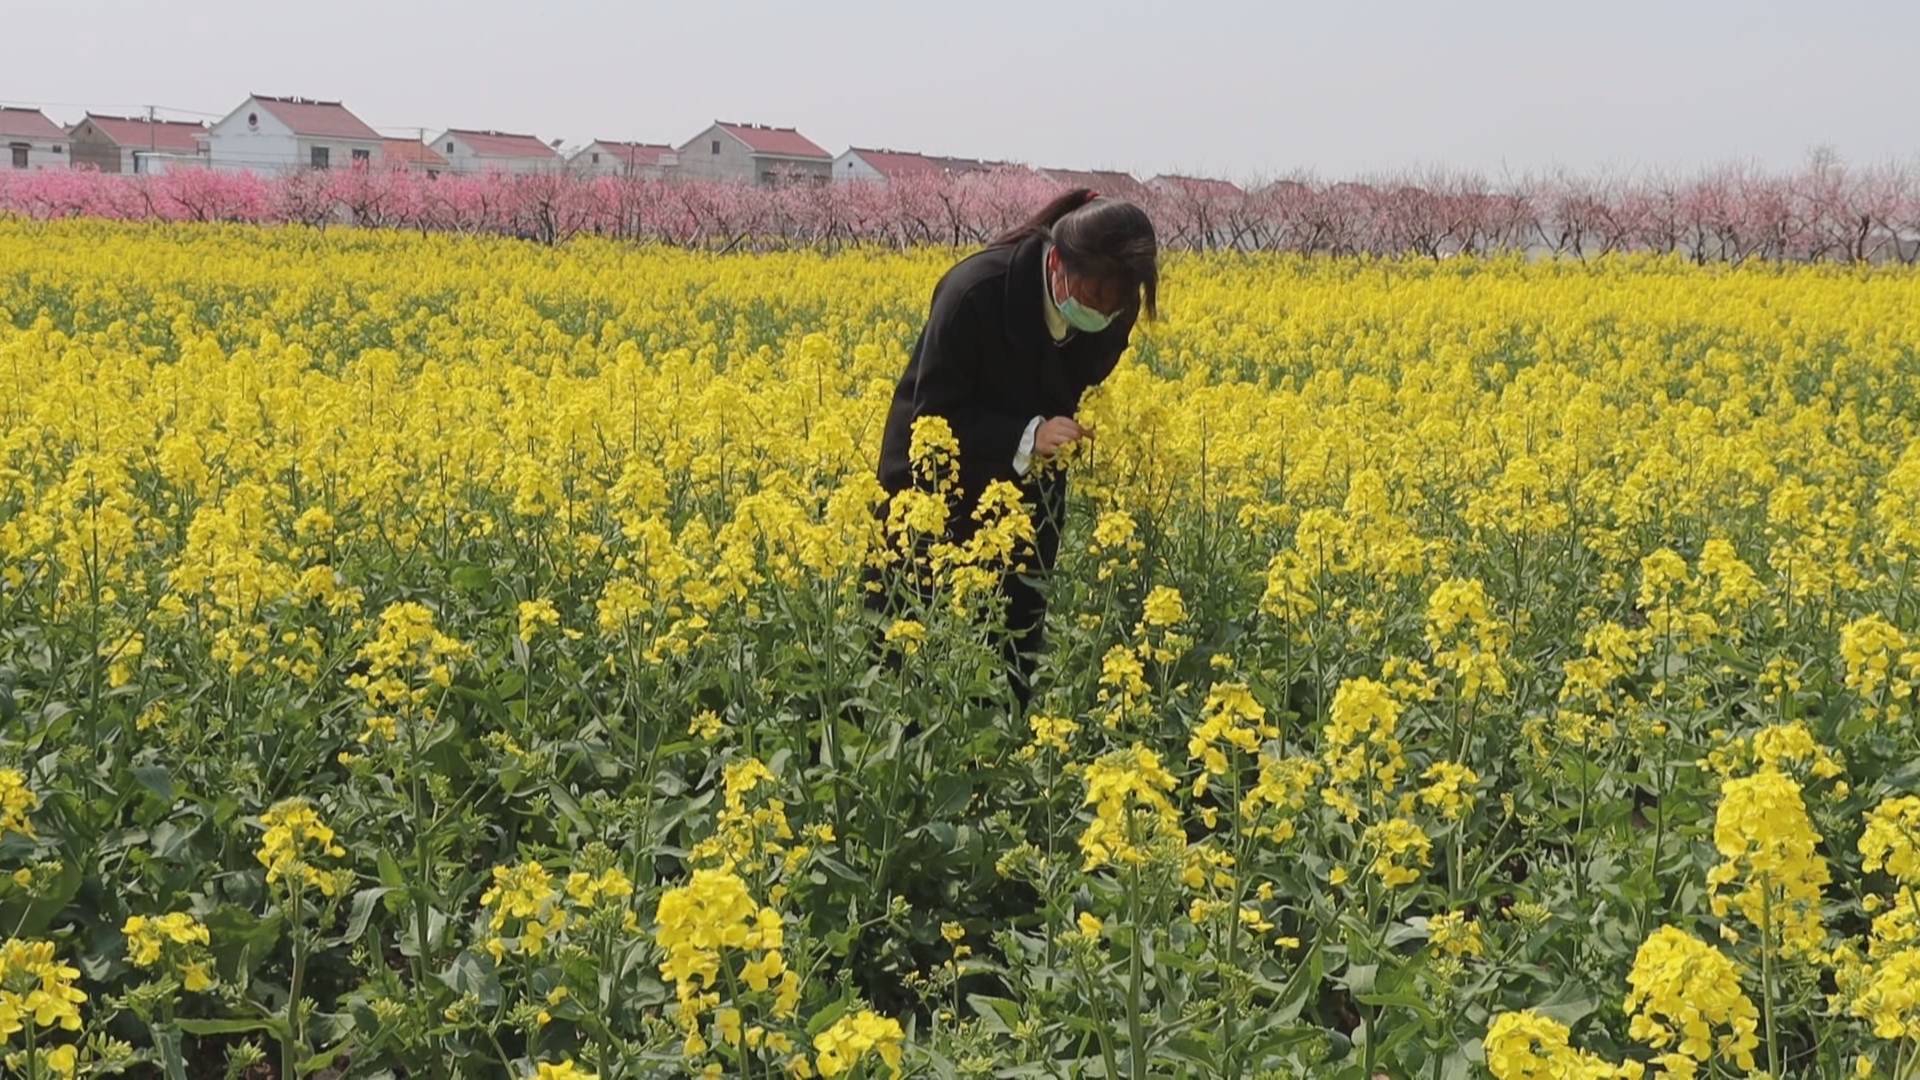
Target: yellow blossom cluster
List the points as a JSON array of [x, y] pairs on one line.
[[37, 989], [17, 803], [296, 838], [176, 942], [1883, 666], [840, 1047], [711, 923], [1768, 858], [1684, 1000], [1526, 1045], [1132, 814]]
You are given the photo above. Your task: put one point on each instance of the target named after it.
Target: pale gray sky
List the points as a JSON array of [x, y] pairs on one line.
[[1238, 89]]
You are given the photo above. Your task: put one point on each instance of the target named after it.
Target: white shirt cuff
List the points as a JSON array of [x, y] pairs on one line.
[[1023, 455]]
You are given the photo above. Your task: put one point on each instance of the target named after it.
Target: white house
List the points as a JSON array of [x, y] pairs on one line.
[[754, 154], [1195, 187], [278, 135], [611, 157], [126, 144], [1110, 182], [865, 163], [469, 151], [31, 141]]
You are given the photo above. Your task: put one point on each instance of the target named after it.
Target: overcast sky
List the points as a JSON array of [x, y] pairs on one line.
[[1240, 89]]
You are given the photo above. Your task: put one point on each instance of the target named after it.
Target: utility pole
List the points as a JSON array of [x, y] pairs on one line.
[[152, 143]]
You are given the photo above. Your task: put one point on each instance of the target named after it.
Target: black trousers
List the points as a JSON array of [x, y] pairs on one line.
[[1026, 610]]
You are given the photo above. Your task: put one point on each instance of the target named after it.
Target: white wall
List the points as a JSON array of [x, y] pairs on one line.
[[699, 162], [851, 166], [462, 159], [40, 153], [156, 164], [269, 146], [339, 151], [612, 163]]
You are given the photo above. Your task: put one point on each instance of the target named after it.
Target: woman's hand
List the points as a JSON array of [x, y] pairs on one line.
[[1055, 433]]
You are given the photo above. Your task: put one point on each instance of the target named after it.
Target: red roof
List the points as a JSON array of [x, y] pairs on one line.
[[411, 152], [634, 154], [503, 144], [323, 119], [896, 164], [1198, 186], [783, 142], [957, 165], [29, 124], [1110, 182], [136, 133]]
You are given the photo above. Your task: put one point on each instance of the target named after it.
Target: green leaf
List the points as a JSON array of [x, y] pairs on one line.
[[275, 1025], [43, 908], [950, 795], [155, 778], [822, 1020], [569, 808], [241, 940], [390, 873], [997, 1015], [1301, 987], [1359, 978], [1567, 1005], [323, 1059], [166, 1047], [1404, 998], [359, 913], [471, 973]]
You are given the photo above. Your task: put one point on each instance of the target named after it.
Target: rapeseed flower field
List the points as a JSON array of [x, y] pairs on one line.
[[446, 656]]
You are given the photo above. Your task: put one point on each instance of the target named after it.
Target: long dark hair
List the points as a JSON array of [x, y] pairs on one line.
[[1107, 239]]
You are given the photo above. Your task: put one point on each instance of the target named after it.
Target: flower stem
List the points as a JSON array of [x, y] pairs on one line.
[[1766, 978], [293, 1045]]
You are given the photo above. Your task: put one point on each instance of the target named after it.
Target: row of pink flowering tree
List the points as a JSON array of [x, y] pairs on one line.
[[1822, 211]]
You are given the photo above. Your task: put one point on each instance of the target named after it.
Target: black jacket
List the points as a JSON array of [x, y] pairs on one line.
[[986, 362]]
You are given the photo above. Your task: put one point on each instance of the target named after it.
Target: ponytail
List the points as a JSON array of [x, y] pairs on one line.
[[1042, 223]]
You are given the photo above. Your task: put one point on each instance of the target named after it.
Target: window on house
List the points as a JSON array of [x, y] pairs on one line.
[[59, 148], [433, 174], [596, 159], [19, 155], [716, 146], [362, 157], [449, 146], [319, 157]]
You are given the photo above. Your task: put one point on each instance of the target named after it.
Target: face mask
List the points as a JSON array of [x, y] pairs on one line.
[[1078, 315]]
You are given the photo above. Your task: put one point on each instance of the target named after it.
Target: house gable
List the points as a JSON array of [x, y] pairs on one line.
[[251, 118]]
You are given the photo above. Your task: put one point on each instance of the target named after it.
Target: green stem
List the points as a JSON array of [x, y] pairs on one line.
[[1659, 836], [890, 813], [1136, 974], [1368, 1019], [1766, 977], [293, 1046], [421, 960], [1102, 1030]]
